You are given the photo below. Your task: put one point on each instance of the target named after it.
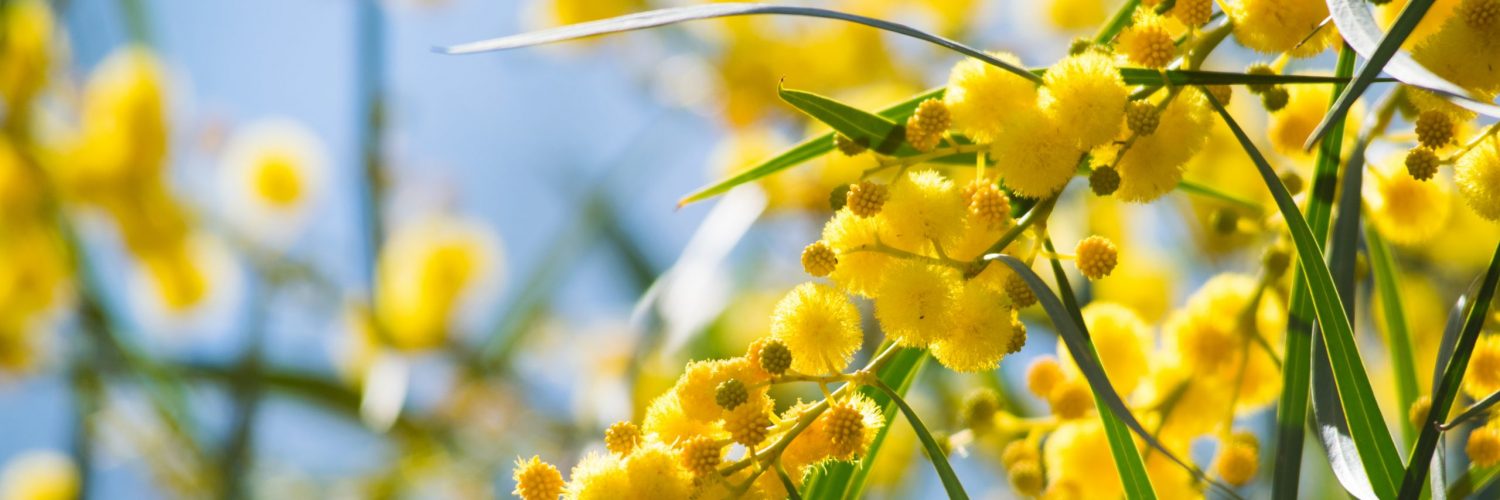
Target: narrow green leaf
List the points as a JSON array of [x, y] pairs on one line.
[[1472, 411], [1117, 22], [1356, 22], [674, 15], [1147, 76], [951, 485], [1446, 390], [844, 480], [1398, 333], [1366, 425], [873, 131]]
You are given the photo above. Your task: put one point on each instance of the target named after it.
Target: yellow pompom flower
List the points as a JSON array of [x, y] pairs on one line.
[[1071, 399], [697, 386], [25, 51], [1211, 343], [654, 472], [1086, 93], [1237, 462], [820, 326], [1464, 52], [916, 303], [537, 480], [980, 96], [858, 271], [1484, 446], [850, 426], [1122, 339], [1153, 166], [925, 207], [1477, 174], [1044, 374], [1078, 453], [1037, 156], [667, 422], [597, 477], [123, 142], [1147, 42], [1096, 256], [272, 174], [1407, 211], [39, 475], [431, 272], [701, 455], [1276, 26], [1306, 105], [621, 438], [1483, 375], [981, 334]]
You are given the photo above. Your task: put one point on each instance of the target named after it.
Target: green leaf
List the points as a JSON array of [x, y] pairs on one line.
[[1445, 392], [1356, 22], [1389, 44], [1366, 426], [951, 485], [873, 131], [1117, 22], [674, 15], [1147, 76], [844, 480], [1475, 410], [1397, 332]]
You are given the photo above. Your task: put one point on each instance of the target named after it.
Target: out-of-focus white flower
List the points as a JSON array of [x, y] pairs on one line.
[[272, 178]]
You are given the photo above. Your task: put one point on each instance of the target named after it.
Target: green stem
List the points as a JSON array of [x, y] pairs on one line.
[[950, 481]]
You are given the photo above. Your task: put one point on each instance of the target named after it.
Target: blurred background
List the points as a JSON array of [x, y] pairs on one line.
[[209, 206]]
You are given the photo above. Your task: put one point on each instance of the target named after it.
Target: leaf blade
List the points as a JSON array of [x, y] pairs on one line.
[[874, 131]]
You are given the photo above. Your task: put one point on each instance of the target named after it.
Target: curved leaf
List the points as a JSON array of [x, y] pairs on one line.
[[673, 15], [1366, 425], [1411, 14], [1398, 333], [1445, 389], [954, 489], [1474, 410], [1357, 25], [873, 131]]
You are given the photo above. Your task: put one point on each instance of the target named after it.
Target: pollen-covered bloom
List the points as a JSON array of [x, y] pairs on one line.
[[1153, 165], [432, 273], [272, 175], [1406, 210], [858, 271], [1477, 173], [820, 326], [980, 96], [1276, 26], [1123, 340], [1213, 343], [1038, 156], [916, 303], [982, 330], [925, 207], [1085, 92], [1147, 42], [1482, 378], [537, 480]]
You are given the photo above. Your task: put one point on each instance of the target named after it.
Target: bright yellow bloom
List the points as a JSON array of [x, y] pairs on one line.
[[1073, 15], [667, 422], [124, 137], [1036, 157], [699, 383], [273, 172], [1306, 105], [1237, 461], [1085, 92], [1122, 340], [858, 272], [39, 475], [925, 207], [916, 303], [1044, 374], [1483, 375], [1153, 166], [980, 97], [1477, 173], [1078, 452], [820, 327], [1484, 446], [537, 480], [599, 476], [1276, 26], [1464, 53], [981, 334], [622, 438], [1072, 399], [655, 473], [1407, 211], [1208, 337], [1147, 42], [430, 272], [850, 426], [25, 51]]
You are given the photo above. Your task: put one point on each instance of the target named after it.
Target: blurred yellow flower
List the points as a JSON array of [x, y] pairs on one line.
[[25, 52], [431, 272], [39, 475]]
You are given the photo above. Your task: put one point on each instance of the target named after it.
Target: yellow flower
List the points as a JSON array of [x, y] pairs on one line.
[[667, 422], [1147, 42], [916, 303], [1153, 166], [850, 426], [1237, 461], [1122, 340], [431, 271], [537, 480], [1036, 156], [981, 334], [655, 473], [820, 327], [1407, 211], [1043, 375], [1484, 446], [273, 172], [1483, 375], [1078, 452], [1076, 14], [124, 137], [1086, 93], [1306, 105], [980, 96], [924, 208], [858, 272], [1211, 343], [1276, 26], [25, 52], [1463, 53], [39, 475], [1477, 173], [599, 476], [699, 383]]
